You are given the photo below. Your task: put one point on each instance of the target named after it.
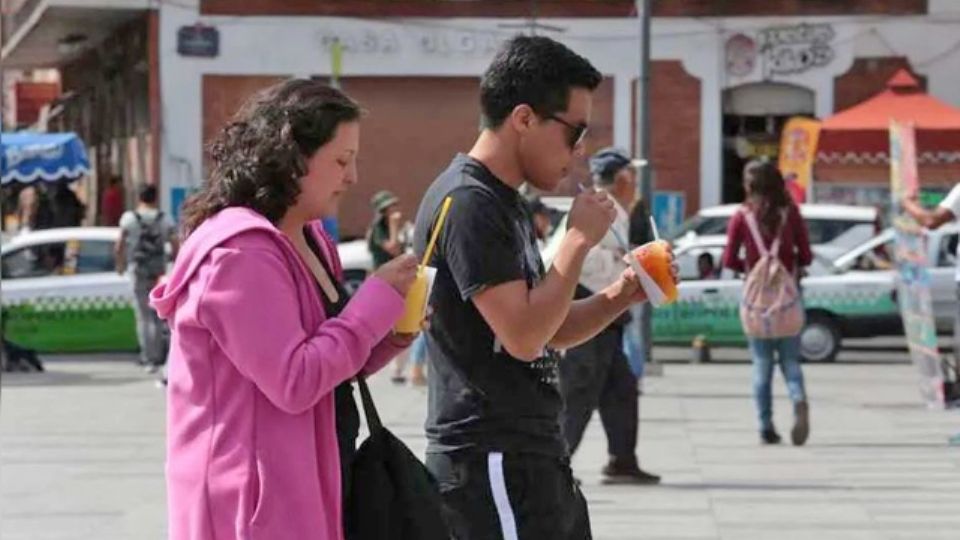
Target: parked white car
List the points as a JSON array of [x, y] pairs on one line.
[[62, 293], [874, 255], [839, 304], [837, 228], [357, 263]]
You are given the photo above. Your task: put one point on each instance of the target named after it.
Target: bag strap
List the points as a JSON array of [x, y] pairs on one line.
[[755, 232], [758, 239], [369, 409]]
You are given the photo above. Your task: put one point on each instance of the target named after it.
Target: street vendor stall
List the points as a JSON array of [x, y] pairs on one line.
[[853, 162], [49, 159], [52, 157]]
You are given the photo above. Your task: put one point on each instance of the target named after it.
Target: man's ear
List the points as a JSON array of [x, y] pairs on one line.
[[522, 118]]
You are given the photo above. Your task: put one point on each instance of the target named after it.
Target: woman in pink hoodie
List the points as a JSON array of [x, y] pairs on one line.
[[263, 335]]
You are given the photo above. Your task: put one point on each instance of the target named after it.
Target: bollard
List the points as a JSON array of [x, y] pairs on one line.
[[700, 350]]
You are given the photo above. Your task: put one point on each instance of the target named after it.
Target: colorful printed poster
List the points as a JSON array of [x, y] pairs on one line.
[[798, 147], [913, 268]]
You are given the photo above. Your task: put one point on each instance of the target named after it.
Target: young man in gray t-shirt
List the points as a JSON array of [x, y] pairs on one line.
[[141, 253]]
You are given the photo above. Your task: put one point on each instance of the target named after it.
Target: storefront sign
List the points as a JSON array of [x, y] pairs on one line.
[[198, 40], [788, 50], [431, 42], [913, 268], [783, 50]]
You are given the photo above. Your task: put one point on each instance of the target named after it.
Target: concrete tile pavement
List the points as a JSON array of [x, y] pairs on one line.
[[81, 456]]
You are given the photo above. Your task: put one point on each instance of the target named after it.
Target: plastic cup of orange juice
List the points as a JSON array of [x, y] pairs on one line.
[[656, 276], [415, 304]]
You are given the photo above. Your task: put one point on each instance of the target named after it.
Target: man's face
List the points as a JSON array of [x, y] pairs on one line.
[[391, 210], [548, 147], [628, 176]]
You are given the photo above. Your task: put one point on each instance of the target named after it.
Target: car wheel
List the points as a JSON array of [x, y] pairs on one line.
[[352, 279], [820, 340]]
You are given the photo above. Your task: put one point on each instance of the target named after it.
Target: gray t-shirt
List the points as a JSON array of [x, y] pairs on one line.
[[151, 219]]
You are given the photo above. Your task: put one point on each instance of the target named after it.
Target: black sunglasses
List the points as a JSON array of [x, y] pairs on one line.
[[576, 132]]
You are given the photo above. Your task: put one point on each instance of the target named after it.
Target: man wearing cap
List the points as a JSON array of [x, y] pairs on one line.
[[596, 374], [383, 238], [386, 240]]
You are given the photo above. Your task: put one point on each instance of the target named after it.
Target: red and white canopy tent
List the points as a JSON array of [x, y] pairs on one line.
[[854, 144]]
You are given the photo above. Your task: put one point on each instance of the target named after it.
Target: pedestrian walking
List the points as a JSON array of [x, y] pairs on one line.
[[596, 375], [495, 444], [141, 254], [111, 203], [639, 233], [946, 212], [384, 235], [67, 209], [264, 335], [774, 239], [387, 240]]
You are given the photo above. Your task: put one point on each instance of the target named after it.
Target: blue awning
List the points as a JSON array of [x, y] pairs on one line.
[[29, 157]]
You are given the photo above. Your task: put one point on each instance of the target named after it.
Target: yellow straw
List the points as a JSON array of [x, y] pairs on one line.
[[436, 231]]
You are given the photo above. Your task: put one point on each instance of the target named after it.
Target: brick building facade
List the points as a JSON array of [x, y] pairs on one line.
[[415, 69]]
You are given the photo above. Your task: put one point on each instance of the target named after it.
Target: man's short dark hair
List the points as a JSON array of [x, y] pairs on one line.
[[534, 70], [148, 195]]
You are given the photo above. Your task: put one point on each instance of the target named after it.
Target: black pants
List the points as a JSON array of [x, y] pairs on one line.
[[495, 496], [17, 356], [596, 375]]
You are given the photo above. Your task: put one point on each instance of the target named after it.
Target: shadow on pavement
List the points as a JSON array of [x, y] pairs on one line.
[[866, 445], [51, 377], [734, 486]]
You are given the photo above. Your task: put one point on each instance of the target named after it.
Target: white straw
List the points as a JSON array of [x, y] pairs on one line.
[[656, 233]]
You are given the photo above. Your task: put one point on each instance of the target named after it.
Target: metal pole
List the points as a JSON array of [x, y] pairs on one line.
[[336, 62], [641, 149]]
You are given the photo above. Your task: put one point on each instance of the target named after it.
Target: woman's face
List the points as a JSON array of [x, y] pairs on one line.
[[331, 170]]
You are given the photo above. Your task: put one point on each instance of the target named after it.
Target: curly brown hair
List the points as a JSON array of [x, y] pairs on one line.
[[260, 156]]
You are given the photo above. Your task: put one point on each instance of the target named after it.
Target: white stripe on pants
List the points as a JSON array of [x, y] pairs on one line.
[[498, 487]]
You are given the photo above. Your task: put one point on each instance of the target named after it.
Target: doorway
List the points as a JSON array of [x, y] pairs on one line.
[[753, 117]]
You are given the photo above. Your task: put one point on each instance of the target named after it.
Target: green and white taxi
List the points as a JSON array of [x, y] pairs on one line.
[[62, 293], [840, 304], [873, 256]]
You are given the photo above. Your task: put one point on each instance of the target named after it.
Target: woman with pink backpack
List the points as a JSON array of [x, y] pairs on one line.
[[775, 248]]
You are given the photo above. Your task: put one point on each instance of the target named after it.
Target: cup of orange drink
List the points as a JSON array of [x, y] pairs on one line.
[[656, 272], [415, 304]]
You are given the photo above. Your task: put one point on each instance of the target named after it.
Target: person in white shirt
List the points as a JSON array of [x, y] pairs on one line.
[[948, 210], [596, 374]]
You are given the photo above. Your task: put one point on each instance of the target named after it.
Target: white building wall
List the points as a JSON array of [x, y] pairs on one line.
[[463, 47]]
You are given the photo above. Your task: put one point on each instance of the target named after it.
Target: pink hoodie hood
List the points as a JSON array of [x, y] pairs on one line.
[[212, 233]]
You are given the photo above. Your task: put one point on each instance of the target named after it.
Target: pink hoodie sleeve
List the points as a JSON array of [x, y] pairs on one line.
[[385, 351], [250, 304]]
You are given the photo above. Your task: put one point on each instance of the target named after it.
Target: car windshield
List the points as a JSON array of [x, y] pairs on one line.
[[702, 226], [820, 230]]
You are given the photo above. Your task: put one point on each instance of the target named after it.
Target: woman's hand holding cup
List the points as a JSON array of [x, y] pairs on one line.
[[399, 273]]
